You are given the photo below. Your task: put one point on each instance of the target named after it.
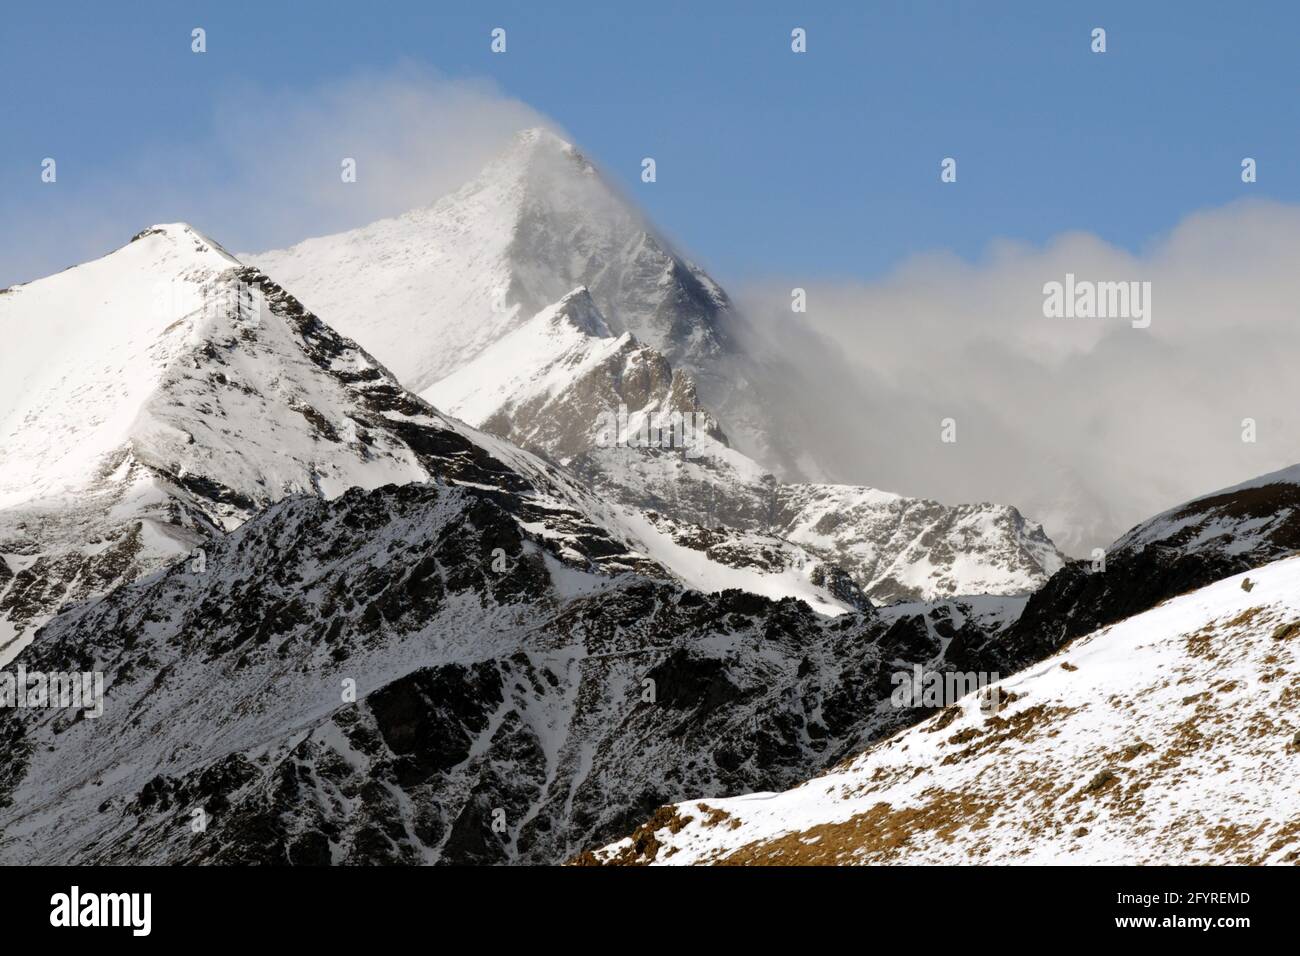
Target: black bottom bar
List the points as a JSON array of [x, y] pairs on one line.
[[213, 905]]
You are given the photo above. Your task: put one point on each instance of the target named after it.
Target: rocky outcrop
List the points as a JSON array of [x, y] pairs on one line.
[[1180, 550]]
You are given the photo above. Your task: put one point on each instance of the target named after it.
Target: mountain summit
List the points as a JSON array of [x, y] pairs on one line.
[[428, 290]]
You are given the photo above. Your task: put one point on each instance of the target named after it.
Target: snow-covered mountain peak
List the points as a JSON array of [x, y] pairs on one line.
[[185, 237], [84, 349], [534, 150], [429, 290], [577, 309]]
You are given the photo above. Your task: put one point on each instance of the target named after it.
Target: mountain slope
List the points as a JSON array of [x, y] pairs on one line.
[[1167, 738], [563, 704], [547, 384], [1257, 520], [564, 386]]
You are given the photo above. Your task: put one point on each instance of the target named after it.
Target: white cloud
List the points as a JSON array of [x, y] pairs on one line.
[[414, 135], [266, 170], [1088, 425]]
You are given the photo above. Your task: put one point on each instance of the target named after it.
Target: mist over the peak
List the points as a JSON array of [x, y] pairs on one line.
[[267, 169], [1088, 425]]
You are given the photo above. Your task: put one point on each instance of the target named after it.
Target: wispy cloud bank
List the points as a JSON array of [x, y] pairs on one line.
[[1088, 425], [267, 169]]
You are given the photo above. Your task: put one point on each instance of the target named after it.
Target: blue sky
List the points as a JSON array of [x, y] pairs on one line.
[[769, 163]]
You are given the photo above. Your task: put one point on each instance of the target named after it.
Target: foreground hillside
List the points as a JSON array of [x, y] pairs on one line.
[[1170, 737]]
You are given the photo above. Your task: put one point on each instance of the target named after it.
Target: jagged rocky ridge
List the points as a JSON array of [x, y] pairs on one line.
[[550, 384], [1187, 547], [487, 693], [555, 385]]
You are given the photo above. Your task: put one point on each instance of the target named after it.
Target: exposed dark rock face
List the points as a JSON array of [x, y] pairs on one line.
[[600, 372], [1078, 600], [516, 711], [841, 584], [1181, 550], [62, 576]]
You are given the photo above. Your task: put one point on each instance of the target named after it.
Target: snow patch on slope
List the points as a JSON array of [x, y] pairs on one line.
[[537, 361]]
